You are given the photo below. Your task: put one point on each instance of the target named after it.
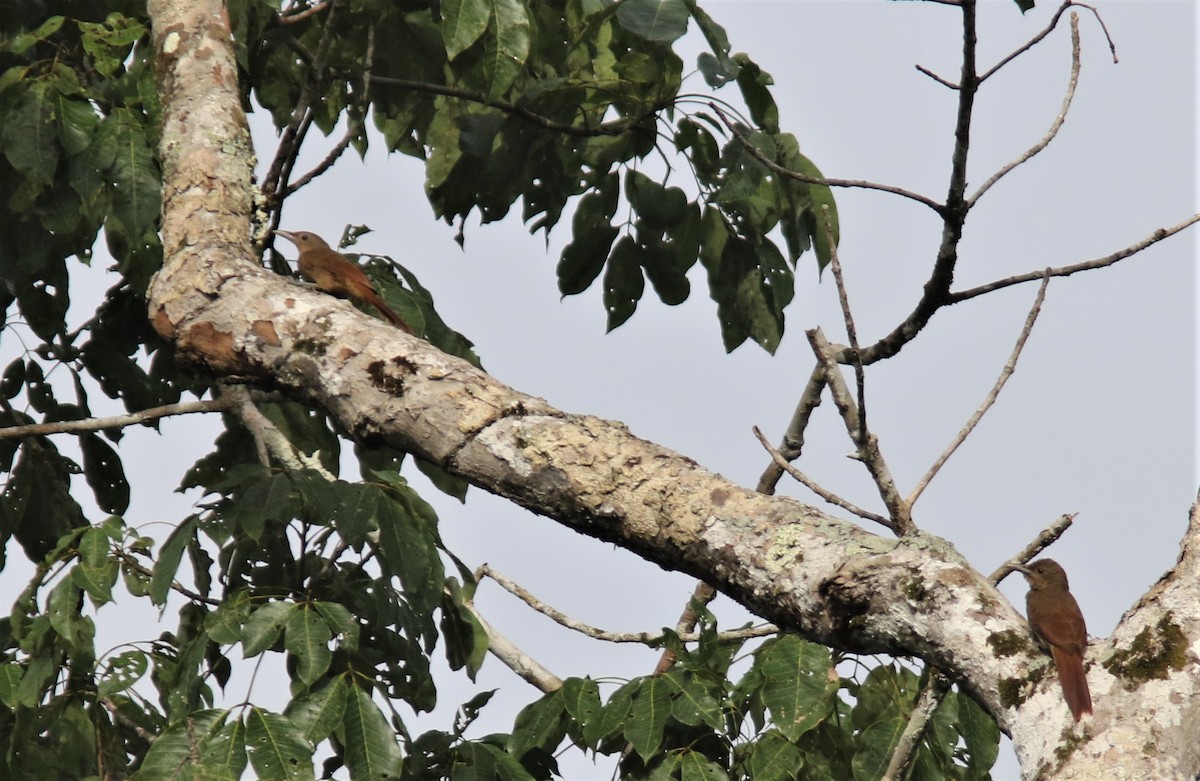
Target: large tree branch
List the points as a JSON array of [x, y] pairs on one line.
[[790, 563]]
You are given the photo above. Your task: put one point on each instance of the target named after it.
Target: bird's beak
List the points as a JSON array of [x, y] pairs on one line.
[[1021, 568], [287, 235]]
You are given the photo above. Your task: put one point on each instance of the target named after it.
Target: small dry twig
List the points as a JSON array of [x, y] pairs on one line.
[[816, 488], [1009, 367], [868, 445], [1055, 126], [116, 421]]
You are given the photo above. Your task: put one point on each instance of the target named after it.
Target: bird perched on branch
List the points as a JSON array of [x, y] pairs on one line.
[[334, 273], [1056, 619]]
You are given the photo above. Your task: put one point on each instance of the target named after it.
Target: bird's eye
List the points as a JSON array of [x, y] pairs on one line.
[[303, 237]]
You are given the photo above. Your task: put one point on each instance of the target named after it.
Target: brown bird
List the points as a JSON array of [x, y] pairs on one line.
[[336, 274], [1056, 619]]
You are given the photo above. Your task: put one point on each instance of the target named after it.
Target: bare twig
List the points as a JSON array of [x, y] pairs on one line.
[[775, 167], [815, 487], [1009, 367], [793, 438], [1087, 265], [851, 331], [354, 124], [138, 729], [512, 657], [1035, 40], [1045, 538], [1055, 126], [116, 421], [927, 702], [935, 77], [643, 638], [867, 445], [616, 127]]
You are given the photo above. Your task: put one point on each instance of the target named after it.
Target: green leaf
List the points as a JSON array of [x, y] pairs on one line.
[[371, 752], [581, 697], [695, 766], [105, 474], [307, 636], [120, 672], [754, 82], [168, 560], [648, 714], [613, 716], [623, 282], [21, 42], [463, 23], [173, 753], [774, 758], [268, 499], [875, 746], [507, 46], [29, 136], [318, 713], [224, 625], [541, 724], [799, 683], [980, 734], [692, 703], [263, 627], [466, 639], [10, 679], [96, 581], [341, 621], [62, 608], [655, 20], [277, 748], [592, 237]]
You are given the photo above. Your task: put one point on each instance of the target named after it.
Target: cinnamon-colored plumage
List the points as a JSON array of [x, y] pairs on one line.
[[334, 273], [1056, 619]]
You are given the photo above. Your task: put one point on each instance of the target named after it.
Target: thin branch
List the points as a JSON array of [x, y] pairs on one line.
[[851, 331], [1055, 126], [643, 638], [816, 488], [116, 421], [868, 445], [935, 77], [612, 128], [1087, 265], [1045, 538], [134, 564], [793, 438], [138, 729], [1035, 40], [775, 167], [1009, 367], [927, 702], [354, 123], [512, 657]]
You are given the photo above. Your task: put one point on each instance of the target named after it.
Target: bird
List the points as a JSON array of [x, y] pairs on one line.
[[336, 274], [1057, 622]]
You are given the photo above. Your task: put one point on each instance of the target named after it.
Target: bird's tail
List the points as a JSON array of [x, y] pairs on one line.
[[1074, 681], [376, 301]]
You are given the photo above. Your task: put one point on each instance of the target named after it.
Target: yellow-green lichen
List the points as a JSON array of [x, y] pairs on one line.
[[1152, 655]]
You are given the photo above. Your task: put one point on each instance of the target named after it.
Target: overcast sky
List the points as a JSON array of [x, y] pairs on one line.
[[1098, 420]]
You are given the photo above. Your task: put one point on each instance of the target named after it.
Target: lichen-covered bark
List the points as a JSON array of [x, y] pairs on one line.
[[826, 578]]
